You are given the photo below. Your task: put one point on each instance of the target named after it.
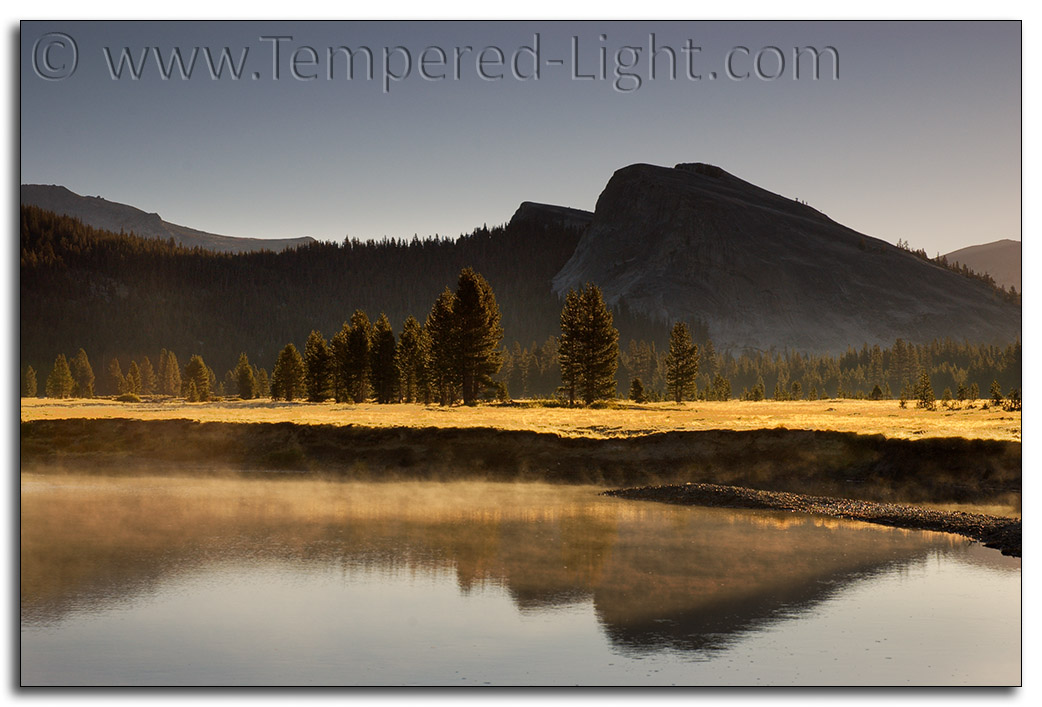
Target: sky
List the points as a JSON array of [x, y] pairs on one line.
[[912, 130]]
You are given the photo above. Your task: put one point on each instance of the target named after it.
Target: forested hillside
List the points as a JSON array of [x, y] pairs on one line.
[[117, 295]]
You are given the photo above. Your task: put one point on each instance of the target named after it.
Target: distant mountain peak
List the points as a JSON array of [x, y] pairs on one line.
[[1001, 259], [112, 216]]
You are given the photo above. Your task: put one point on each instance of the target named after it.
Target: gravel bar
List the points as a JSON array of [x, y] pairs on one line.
[[992, 531]]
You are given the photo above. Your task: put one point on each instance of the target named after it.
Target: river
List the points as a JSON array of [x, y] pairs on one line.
[[137, 580]]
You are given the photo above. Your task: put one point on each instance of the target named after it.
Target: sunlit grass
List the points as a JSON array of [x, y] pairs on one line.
[[883, 417]]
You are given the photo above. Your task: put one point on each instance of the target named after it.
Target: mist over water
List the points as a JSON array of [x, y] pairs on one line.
[[159, 580]]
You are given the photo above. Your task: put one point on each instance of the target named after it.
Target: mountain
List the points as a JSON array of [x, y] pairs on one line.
[[1000, 259], [763, 271], [550, 215], [112, 216]]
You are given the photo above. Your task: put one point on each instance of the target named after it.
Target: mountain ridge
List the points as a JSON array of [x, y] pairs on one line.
[[101, 213], [1001, 259]]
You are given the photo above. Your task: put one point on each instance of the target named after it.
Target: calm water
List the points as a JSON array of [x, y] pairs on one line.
[[298, 582]]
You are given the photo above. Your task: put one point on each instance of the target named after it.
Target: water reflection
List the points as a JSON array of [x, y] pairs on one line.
[[657, 576]]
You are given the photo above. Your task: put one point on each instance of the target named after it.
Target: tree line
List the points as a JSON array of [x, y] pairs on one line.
[[117, 294], [457, 354], [454, 356]]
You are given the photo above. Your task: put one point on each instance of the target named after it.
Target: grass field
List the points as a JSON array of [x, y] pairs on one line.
[[883, 417]]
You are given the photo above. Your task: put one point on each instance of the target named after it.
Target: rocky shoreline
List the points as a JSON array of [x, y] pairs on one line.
[[997, 532]]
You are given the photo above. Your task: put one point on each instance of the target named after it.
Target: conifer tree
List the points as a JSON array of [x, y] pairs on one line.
[[923, 392], [161, 371], [245, 382], [413, 352], [359, 344], [995, 393], [83, 376], [116, 378], [962, 392], [338, 364], [1013, 402], [721, 388], [196, 376], [317, 367], [263, 382], [759, 391], [589, 348], [60, 383], [681, 364], [569, 352], [424, 369], [287, 378], [148, 376], [29, 385], [384, 362], [169, 373], [637, 391], [444, 349], [133, 378], [479, 334]]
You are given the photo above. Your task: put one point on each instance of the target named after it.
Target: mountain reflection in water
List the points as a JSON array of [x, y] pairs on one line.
[[658, 576]]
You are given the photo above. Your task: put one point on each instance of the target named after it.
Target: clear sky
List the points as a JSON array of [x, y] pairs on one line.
[[919, 137]]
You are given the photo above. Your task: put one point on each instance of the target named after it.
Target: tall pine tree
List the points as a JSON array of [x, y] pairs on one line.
[[681, 364], [589, 348], [413, 353], [60, 383], [195, 381], [383, 364], [287, 378], [443, 331], [245, 381], [29, 386], [169, 373], [359, 343], [338, 364], [317, 367], [133, 378], [479, 334], [83, 376], [148, 376], [117, 380]]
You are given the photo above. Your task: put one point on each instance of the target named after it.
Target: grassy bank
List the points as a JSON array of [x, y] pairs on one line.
[[865, 417], [871, 467]]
